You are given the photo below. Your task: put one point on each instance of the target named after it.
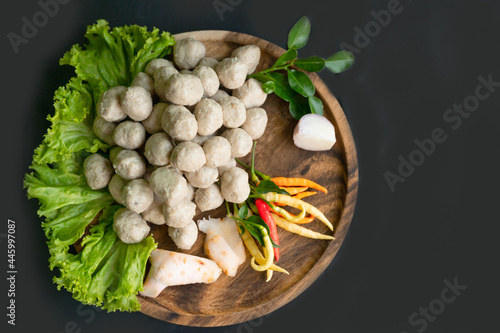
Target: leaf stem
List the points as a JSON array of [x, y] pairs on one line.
[[227, 209], [272, 69], [260, 174], [255, 179]]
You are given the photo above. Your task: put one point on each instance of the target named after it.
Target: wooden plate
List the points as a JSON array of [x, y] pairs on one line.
[[247, 296]]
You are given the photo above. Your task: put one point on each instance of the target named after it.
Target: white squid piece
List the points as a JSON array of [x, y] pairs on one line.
[[223, 243], [170, 268]]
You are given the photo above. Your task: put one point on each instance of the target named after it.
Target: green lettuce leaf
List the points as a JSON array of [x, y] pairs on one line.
[[108, 272], [53, 198], [113, 58], [71, 129], [96, 275]]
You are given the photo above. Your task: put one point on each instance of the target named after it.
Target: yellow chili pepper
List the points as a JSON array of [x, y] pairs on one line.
[[296, 229], [292, 202]]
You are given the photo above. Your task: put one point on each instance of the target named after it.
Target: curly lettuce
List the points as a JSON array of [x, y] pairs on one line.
[[107, 272]]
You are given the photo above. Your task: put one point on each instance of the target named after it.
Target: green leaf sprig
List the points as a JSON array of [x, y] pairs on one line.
[[253, 223], [295, 86]]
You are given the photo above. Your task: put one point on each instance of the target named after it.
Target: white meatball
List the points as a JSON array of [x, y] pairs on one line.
[[255, 124], [152, 124], [179, 123], [232, 72], [109, 106], [137, 195], [104, 130], [129, 164], [154, 213], [217, 151], [188, 52], [136, 102], [208, 198], [129, 134], [158, 149], [188, 156], [180, 214], [233, 111], [154, 64], [130, 227], [183, 89], [160, 79], [230, 164], [208, 78], [115, 187], [219, 95], [251, 93], [142, 79], [241, 142], [184, 237], [249, 54], [209, 62], [234, 185], [169, 184], [208, 114], [203, 177], [98, 171]]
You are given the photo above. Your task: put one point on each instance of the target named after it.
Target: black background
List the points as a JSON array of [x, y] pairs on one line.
[[441, 223]]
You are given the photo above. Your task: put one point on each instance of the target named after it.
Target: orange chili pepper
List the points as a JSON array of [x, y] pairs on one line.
[[284, 181], [304, 194], [294, 190]]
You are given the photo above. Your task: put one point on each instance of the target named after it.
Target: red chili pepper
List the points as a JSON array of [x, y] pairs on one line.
[[265, 214]]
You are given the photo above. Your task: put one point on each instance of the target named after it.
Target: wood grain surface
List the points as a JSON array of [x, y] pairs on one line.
[[247, 296]]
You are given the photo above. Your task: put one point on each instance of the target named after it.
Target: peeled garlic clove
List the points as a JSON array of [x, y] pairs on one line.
[[314, 132]]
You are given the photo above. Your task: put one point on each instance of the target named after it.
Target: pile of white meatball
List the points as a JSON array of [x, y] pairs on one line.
[[177, 131]]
